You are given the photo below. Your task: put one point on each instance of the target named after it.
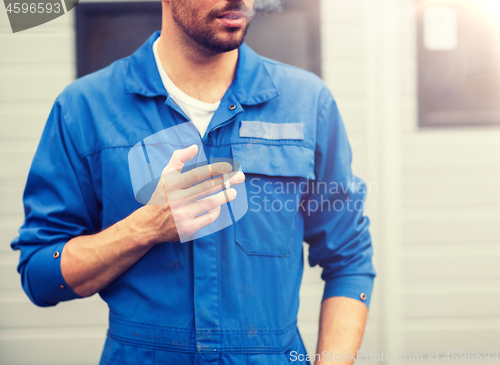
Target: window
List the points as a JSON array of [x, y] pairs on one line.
[[458, 62]]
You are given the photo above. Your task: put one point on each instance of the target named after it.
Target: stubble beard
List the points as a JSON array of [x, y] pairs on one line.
[[202, 35]]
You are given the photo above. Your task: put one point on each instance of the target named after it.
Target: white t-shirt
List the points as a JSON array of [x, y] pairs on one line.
[[199, 112]]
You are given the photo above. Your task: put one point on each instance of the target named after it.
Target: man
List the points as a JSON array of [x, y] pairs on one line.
[[231, 294]]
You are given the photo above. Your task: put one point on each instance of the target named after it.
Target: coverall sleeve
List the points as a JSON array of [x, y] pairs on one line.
[[335, 227], [59, 205]]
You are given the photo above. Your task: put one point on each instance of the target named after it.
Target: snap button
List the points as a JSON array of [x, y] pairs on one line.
[[62, 286], [56, 254], [363, 296], [232, 107], [275, 163]]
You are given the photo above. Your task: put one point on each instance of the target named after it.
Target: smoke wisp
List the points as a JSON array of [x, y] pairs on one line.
[[263, 6]]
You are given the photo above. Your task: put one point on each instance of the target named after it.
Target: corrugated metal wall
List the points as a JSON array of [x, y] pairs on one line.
[[435, 216], [450, 225], [35, 66]]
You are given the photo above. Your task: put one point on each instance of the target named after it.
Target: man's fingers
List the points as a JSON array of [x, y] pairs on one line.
[[204, 220], [201, 173], [210, 186], [179, 158], [204, 205]]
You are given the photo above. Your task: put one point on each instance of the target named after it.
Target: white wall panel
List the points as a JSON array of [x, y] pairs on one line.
[[450, 227], [16, 157], [342, 11], [409, 114], [448, 197], [450, 173], [425, 150], [354, 118], [344, 81], [8, 231], [409, 40], [343, 42], [458, 304], [9, 278], [28, 48], [4, 20], [43, 84], [436, 229], [11, 201], [38, 65], [21, 124], [408, 78], [311, 274], [441, 361], [476, 191], [422, 336], [453, 267]]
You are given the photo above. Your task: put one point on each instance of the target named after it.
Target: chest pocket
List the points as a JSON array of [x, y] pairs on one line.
[[276, 177]]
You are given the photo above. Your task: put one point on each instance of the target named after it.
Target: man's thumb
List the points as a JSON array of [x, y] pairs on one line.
[[180, 157]]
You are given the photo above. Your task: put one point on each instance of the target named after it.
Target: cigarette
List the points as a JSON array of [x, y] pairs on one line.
[[227, 183]]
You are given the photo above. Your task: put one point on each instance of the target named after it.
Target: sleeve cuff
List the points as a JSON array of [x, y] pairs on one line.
[[46, 282], [358, 287]]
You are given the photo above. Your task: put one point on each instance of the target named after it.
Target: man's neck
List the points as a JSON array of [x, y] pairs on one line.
[[200, 74]]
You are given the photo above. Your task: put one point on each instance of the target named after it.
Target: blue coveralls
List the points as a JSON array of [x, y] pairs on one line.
[[230, 297]]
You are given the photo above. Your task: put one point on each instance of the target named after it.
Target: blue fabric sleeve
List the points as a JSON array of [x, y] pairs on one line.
[[335, 227], [59, 205]]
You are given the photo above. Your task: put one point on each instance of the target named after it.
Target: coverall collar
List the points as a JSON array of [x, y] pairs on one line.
[[252, 83]]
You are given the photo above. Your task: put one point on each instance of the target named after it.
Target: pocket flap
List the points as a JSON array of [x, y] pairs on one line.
[[275, 160]]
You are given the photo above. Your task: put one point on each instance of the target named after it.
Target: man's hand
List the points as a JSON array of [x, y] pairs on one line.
[[182, 204]]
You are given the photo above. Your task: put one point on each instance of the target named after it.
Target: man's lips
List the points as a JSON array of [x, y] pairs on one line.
[[232, 19]]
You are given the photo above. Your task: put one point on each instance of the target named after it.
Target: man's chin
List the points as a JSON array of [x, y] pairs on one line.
[[231, 39], [223, 47]]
